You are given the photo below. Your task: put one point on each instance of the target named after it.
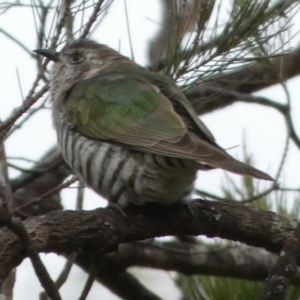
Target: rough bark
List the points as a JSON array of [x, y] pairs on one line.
[[105, 229]]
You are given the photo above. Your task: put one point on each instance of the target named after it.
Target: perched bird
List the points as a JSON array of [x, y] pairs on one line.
[[128, 133]]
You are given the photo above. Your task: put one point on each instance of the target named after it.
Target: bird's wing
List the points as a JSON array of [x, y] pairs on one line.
[[186, 111], [137, 115]]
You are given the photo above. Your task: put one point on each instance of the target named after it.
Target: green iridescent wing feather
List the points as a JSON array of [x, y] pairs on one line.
[[124, 111], [137, 115]]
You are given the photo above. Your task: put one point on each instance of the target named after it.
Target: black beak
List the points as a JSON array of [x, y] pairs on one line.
[[50, 54]]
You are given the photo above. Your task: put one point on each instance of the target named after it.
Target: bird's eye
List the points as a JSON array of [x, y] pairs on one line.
[[77, 58]]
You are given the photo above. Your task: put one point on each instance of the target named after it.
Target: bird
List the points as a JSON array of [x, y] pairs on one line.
[[129, 133]]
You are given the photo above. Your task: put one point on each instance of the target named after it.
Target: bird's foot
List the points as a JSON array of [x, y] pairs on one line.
[[119, 209]]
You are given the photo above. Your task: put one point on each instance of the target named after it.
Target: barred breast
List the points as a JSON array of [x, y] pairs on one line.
[[123, 175]]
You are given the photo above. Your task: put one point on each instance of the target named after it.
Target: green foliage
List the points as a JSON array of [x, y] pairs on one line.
[[221, 288], [200, 42]]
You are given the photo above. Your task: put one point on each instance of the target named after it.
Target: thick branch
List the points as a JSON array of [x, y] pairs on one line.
[[238, 261], [106, 228]]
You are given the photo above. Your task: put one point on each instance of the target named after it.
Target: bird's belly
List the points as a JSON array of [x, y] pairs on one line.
[[126, 176]]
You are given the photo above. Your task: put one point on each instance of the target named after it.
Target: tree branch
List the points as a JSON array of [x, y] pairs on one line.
[[93, 230], [116, 279], [230, 261], [282, 272], [216, 94], [31, 185], [17, 227]]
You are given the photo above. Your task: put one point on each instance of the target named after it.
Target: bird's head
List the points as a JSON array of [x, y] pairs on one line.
[[77, 61]]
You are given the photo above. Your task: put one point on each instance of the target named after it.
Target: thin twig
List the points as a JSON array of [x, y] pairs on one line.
[[21, 158], [15, 40], [29, 114], [45, 195], [287, 142], [92, 19], [292, 132], [266, 192], [128, 29], [102, 17], [120, 282], [59, 27], [41, 171], [290, 189], [202, 193], [19, 84], [63, 276], [29, 101], [5, 188], [16, 225], [80, 195], [91, 278]]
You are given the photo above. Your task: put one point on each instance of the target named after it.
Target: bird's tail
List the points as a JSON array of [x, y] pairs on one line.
[[241, 168]]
